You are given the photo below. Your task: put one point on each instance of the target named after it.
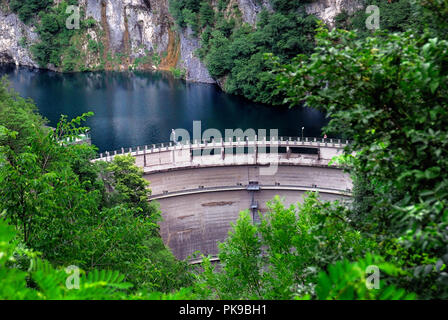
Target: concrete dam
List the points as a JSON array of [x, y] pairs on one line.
[[202, 186]]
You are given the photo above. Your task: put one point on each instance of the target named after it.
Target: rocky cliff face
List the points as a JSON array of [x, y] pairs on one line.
[[14, 36], [195, 69], [327, 10], [144, 27], [139, 34], [130, 26], [251, 8], [134, 33]]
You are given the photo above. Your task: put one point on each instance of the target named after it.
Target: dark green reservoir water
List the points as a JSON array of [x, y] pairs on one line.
[[141, 109]]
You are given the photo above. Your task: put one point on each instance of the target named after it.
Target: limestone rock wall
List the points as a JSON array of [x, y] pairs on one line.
[[251, 8], [143, 24], [14, 35], [327, 10], [133, 29], [136, 30], [195, 69]]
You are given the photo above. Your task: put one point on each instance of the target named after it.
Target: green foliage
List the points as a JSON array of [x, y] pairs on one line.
[[89, 22], [347, 281], [281, 257], [74, 211], [130, 186], [178, 73], [287, 5], [396, 16], [206, 15], [25, 276], [49, 283], [222, 4], [233, 51], [191, 19], [58, 45], [18, 115], [185, 12], [156, 59], [139, 61], [385, 91], [93, 46], [389, 94], [240, 255], [27, 9], [435, 13], [239, 57], [23, 42]]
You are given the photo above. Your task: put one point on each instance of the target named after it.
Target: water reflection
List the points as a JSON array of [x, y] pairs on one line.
[[133, 109]]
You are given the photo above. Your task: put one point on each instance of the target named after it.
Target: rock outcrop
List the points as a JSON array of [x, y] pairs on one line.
[[132, 25], [195, 69], [15, 37], [327, 10], [251, 8]]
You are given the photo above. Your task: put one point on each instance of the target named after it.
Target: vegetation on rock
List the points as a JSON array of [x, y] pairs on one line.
[[233, 50]]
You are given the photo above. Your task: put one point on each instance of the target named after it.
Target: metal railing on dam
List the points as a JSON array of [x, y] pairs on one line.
[[284, 150], [202, 186]]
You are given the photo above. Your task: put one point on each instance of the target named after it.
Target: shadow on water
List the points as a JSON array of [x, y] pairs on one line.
[[134, 109]]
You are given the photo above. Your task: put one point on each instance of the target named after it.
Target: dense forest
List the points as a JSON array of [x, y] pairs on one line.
[[386, 90], [233, 50]]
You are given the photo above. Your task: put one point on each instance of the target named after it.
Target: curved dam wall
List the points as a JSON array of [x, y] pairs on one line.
[[195, 220], [202, 192]]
